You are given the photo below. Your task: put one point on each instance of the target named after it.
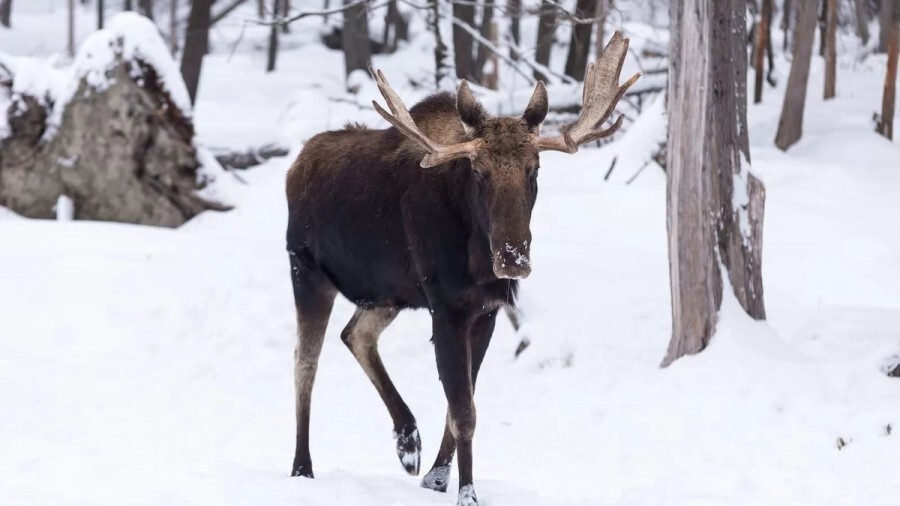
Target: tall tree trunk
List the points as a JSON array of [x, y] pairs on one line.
[[196, 45], [285, 13], [129, 5], [790, 127], [546, 28], [173, 25], [822, 21], [515, 15], [71, 26], [441, 72], [708, 149], [272, 53], [761, 43], [487, 22], [600, 30], [862, 20], [396, 28], [888, 101], [830, 48], [787, 16], [885, 15], [261, 9], [580, 42], [100, 12], [146, 8], [462, 41], [5, 12], [355, 38]]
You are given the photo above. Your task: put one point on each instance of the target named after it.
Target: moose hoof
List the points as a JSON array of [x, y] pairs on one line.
[[409, 448], [437, 478], [467, 496]]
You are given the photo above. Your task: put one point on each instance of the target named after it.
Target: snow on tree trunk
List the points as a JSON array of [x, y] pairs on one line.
[[888, 101], [790, 126], [830, 47], [115, 136], [715, 205]]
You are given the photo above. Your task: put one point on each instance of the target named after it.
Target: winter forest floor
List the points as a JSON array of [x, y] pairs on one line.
[[147, 366]]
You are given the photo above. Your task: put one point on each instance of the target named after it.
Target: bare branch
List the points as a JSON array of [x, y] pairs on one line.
[[494, 49]]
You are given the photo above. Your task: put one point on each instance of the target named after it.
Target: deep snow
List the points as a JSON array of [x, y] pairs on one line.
[[147, 366]]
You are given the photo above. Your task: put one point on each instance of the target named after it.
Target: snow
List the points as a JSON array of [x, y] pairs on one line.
[[154, 367]]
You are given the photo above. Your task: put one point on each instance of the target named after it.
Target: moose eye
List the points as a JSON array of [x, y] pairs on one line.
[[534, 172], [480, 174]]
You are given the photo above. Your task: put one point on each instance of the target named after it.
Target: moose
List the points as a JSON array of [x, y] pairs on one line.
[[431, 213]]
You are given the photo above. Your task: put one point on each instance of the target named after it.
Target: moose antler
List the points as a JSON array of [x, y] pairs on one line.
[[601, 93], [401, 119]]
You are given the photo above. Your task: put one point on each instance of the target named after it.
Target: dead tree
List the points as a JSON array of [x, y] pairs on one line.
[[462, 40], [886, 121], [5, 12], [830, 47], [546, 29], [709, 225], [196, 45], [790, 126], [760, 45], [355, 37], [580, 41]]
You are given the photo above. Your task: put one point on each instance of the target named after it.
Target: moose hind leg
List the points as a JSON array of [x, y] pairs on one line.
[[314, 298], [439, 475], [361, 337]]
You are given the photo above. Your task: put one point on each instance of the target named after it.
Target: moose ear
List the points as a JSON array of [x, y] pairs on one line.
[[470, 111], [537, 107]]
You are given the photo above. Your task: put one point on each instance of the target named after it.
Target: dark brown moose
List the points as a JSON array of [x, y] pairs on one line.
[[431, 213]]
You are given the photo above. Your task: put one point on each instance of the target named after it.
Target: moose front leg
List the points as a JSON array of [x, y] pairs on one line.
[[439, 475], [459, 345]]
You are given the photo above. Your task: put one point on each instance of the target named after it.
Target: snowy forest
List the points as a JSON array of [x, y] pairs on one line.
[[699, 307]]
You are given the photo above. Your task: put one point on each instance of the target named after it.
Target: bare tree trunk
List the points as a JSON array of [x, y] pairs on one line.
[[515, 15], [462, 41], [261, 8], [822, 19], [580, 42], [272, 54], [831, 48], [145, 7], [885, 15], [440, 48], [487, 22], [100, 12], [396, 28], [886, 123], [285, 13], [71, 38], [5, 12], [600, 30], [762, 41], [129, 5], [196, 45], [173, 26], [355, 38], [790, 127], [708, 148], [546, 28], [862, 20]]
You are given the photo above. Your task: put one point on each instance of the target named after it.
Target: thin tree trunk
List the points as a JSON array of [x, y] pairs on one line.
[[196, 45], [886, 125], [71, 38], [487, 21], [830, 48], [462, 41], [355, 38], [600, 30], [440, 48], [129, 5], [272, 54], [580, 42], [862, 20], [790, 127], [546, 29], [885, 15], [762, 41], [261, 9], [823, 14], [146, 8], [100, 12], [285, 13], [708, 148], [396, 28], [515, 15], [5, 13], [788, 18], [173, 25]]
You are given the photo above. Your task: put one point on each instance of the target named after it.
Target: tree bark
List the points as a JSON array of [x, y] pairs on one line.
[[441, 72], [885, 15], [709, 223], [600, 28], [196, 45], [761, 43], [355, 38], [285, 13], [546, 28], [790, 126], [580, 42], [129, 5], [862, 20], [462, 41], [145, 7], [272, 53], [5, 13], [886, 124], [100, 12], [830, 48], [515, 15], [396, 28], [487, 21]]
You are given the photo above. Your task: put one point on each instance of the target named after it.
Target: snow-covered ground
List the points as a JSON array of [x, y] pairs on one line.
[[147, 366]]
